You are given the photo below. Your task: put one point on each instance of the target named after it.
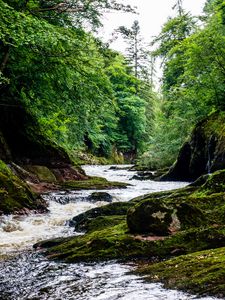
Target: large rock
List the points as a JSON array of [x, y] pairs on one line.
[[160, 225], [80, 222], [160, 217], [33, 157], [15, 195], [100, 196], [203, 153]]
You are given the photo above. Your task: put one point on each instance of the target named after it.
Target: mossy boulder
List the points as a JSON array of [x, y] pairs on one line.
[[150, 217], [82, 221], [215, 183], [42, 172], [107, 242], [15, 195], [108, 237], [161, 217], [100, 196], [203, 153], [199, 224]]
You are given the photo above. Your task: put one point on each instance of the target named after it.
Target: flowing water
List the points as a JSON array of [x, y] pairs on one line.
[[26, 274]]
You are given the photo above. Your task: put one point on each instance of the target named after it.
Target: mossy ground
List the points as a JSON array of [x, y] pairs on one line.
[[108, 237], [200, 272]]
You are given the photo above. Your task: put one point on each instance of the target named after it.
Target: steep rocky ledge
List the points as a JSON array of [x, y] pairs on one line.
[[15, 195], [203, 153]]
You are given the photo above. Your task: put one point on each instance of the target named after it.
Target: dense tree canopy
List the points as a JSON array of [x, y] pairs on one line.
[[81, 92], [193, 84], [87, 96]]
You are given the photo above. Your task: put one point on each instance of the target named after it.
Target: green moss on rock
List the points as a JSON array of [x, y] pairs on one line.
[[42, 172], [200, 272], [194, 221], [15, 195], [93, 183], [214, 184], [82, 221], [109, 238], [203, 153]]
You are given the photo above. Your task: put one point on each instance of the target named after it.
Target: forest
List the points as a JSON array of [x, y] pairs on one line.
[[89, 98], [102, 164]]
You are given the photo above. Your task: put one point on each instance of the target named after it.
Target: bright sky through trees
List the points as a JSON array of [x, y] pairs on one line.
[[152, 15]]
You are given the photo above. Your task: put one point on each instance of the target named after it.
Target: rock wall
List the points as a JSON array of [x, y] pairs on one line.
[[204, 152], [22, 141], [15, 195]]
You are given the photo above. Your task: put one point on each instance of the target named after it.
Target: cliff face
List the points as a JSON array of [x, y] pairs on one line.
[[22, 141], [203, 153], [15, 195]]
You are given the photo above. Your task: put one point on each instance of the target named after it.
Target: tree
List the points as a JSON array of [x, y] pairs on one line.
[[136, 52], [70, 12], [179, 7], [69, 81], [193, 77]]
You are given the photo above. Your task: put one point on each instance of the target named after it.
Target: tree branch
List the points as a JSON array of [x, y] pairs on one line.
[[66, 6]]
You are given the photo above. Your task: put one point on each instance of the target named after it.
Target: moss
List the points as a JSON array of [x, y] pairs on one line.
[[214, 184], [43, 173], [150, 216], [164, 213], [215, 124], [200, 272], [81, 222], [104, 222], [82, 158], [15, 195], [93, 183], [108, 237], [107, 242]]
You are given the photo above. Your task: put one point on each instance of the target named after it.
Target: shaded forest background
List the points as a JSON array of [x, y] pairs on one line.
[[87, 97]]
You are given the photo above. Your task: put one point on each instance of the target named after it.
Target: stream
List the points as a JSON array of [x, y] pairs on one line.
[[26, 274]]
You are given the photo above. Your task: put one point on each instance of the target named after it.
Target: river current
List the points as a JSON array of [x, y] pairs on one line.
[[26, 274]]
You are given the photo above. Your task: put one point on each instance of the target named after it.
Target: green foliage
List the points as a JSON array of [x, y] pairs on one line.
[[71, 82], [193, 78]]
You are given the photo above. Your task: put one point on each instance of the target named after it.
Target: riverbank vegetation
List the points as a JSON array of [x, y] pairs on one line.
[[87, 97]]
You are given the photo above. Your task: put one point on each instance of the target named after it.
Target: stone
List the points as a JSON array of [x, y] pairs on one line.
[[203, 153], [15, 195], [100, 196], [160, 217]]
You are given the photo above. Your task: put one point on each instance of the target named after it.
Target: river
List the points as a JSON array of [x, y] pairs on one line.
[[26, 274]]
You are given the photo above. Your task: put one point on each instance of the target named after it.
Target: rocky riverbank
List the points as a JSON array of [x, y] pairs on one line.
[[157, 226]]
